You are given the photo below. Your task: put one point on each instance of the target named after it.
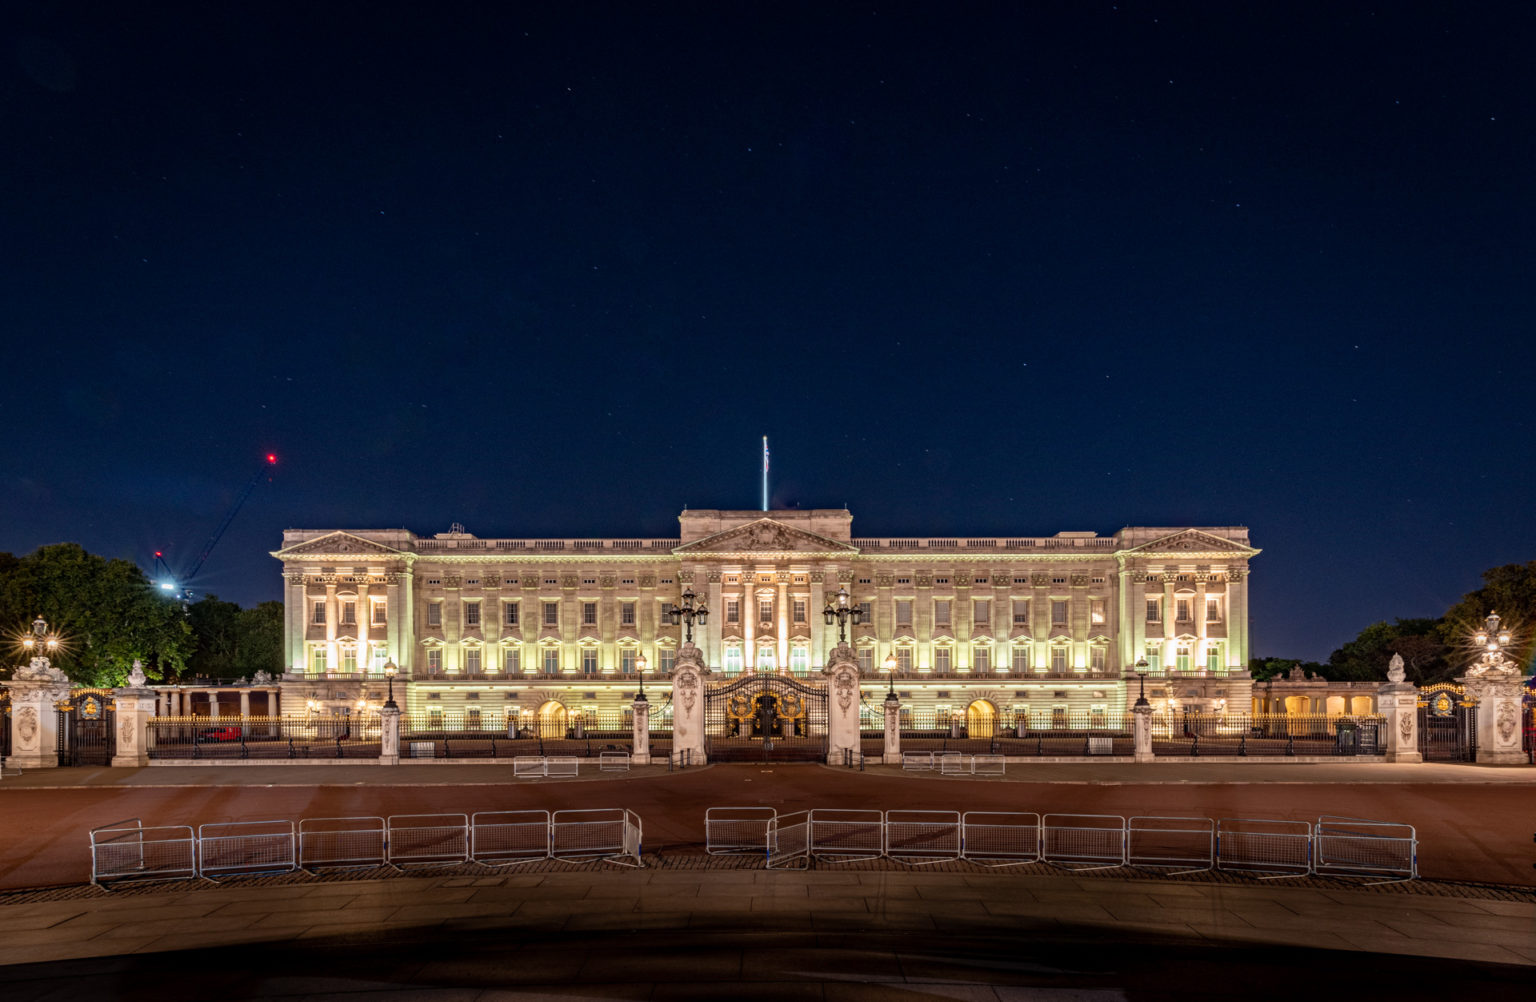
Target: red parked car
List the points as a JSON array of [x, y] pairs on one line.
[[218, 734]]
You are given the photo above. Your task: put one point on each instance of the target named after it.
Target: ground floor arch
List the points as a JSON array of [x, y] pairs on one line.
[[553, 719], [980, 719]]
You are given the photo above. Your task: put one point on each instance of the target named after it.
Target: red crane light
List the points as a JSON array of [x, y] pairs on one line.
[[271, 459]]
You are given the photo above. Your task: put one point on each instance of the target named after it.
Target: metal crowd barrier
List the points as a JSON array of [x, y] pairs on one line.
[[613, 761], [1371, 848], [611, 834], [560, 766], [918, 838], [1083, 841], [1187, 844], [956, 764], [842, 836], [1259, 846], [245, 848], [789, 841], [1000, 838], [126, 850], [737, 829], [917, 761], [342, 842], [506, 838], [418, 839]]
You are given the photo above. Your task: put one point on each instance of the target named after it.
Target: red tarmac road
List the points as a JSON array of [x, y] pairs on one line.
[[1474, 832]]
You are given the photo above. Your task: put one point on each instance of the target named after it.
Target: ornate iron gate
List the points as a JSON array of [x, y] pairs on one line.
[[1447, 725], [87, 731], [767, 718]]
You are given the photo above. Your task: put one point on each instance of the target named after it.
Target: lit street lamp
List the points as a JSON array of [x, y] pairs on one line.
[[889, 665], [40, 641], [390, 671], [1141, 675], [687, 613], [641, 667], [841, 613]]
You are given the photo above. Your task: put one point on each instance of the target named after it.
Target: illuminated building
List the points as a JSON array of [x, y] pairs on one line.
[[981, 628]]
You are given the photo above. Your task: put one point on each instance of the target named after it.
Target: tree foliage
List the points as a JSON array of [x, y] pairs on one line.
[[233, 642]]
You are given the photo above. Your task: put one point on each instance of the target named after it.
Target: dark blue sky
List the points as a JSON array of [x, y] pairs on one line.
[[976, 270]]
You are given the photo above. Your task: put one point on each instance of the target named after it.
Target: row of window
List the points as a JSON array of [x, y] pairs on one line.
[[1183, 609], [346, 609]]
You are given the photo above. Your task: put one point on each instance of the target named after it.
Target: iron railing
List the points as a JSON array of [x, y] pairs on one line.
[[1244, 734], [263, 737]]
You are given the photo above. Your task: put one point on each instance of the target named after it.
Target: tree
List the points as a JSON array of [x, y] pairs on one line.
[[233, 642], [1510, 591], [1367, 657]]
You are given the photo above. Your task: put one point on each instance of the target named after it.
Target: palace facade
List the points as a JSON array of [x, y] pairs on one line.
[[499, 631]]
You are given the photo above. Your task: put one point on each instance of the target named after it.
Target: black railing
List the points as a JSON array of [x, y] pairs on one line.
[[264, 737]]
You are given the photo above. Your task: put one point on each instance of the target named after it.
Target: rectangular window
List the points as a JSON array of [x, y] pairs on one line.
[[765, 610], [733, 610], [1182, 655], [434, 661], [766, 660], [472, 615], [1096, 658], [867, 612], [1058, 612], [376, 613], [1097, 611], [940, 612], [983, 611], [472, 718], [981, 659], [1021, 658], [1154, 657], [904, 659], [626, 614], [799, 660], [511, 660], [1213, 657], [1059, 660], [349, 659], [435, 614], [589, 661], [627, 660], [903, 612], [866, 660], [1182, 607], [349, 613], [1059, 717], [589, 614], [318, 616], [380, 656], [551, 613], [510, 613], [733, 660], [668, 660], [551, 661], [1212, 609], [472, 661], [1021, 612], [941, 660], [1154, 610], [317, 660], [799, 610]]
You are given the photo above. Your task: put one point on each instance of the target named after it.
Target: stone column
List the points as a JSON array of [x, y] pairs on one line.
[[389, 735], [688, 674], [640, 748], [1141, 723], [783, 609], [213, 704], [892, 751], [245, 702], [1498, 718], [1398, 702], [34, 688], [134, 705], [842, 673]]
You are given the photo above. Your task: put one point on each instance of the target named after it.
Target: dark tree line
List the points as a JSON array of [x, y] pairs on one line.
[[1433, 650], [109, 613]]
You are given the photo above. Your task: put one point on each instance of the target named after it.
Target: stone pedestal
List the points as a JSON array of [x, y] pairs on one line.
[[34, 722], [688, 674], [389, 735], [892, 751], [640, 748], [1141, 731], [1399, 705], [842, 674], [1498, 719], [134, 704]]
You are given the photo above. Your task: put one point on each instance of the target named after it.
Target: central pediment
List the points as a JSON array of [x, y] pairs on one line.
[[765, 535], [338, 544], [1193, 541]]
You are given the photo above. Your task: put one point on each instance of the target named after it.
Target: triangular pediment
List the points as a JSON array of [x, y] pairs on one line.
[[1191, 542], [337, 544], [765, 535]]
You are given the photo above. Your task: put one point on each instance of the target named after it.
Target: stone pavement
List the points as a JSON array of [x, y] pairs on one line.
[[827, 933]]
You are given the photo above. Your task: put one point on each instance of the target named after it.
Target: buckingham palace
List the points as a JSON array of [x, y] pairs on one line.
[[509, 632]]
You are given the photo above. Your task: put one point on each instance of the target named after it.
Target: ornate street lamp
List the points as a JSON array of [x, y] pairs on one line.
[[390, 671], [40, 643], [840, 613], [687, 613], [641, 666], [1493, 639], [889, 665], [1141, 675]]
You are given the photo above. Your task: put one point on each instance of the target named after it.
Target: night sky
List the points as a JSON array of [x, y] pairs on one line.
[[987, 270]]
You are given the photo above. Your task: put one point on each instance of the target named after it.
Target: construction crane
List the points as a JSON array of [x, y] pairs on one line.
[[177, 585]]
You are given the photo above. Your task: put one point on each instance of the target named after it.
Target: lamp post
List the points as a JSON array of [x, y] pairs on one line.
[[641, 667], [688, 613], [40, 643], [889, 666], [1141, 675], [390, 671], [1491, 638], [840, 613]]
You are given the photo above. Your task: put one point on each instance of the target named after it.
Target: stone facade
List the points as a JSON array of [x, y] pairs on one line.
[[513, 628]]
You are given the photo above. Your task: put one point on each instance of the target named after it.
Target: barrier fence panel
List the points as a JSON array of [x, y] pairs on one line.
[[602, 833], [246, 847], [1083, 841], [737, 829], [1186, 843], [529, 765], [1000, 838], [1345, 846], [344, 842], [917, 761], [428, 838], [989, 765], [921, 837], [842, 836], [789, 841], [951, 763], [1253, 845], [613, 761], [564, 766], [505, 838], [129, 851]]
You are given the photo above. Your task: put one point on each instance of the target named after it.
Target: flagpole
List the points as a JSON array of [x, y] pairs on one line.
[[765, 473]]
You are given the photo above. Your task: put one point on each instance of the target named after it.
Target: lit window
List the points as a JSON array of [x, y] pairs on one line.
[[1096, 611], [941, 660], [1154, 657], [1212, 609], [434, 661], [668, 660], [733, 660], [765, 610], [512, 660], [765, 659], [349, 659], [472, 661], [378, 613], [903, 659], [1182, 655], [1213, 657], [551, 661], [589, 661], [866, 660], [627, 660], [1059, 660], [1021, 658], [317, 660], [348, 613], [981, 659], [1096, 656], [799, 660], [1182, 609]]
